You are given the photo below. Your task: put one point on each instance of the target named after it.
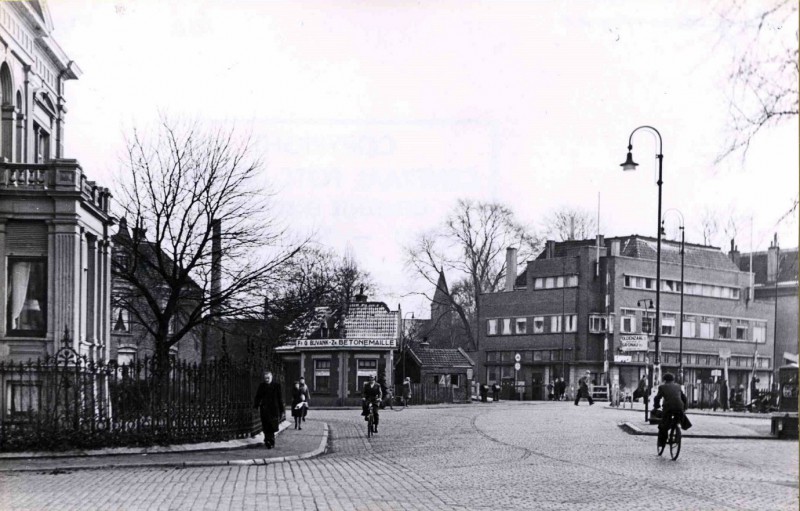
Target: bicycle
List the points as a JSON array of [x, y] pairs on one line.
[[370, 421], [673, 438]]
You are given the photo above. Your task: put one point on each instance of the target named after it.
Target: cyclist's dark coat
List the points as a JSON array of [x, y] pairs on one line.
[[674, 398], [372, 392]]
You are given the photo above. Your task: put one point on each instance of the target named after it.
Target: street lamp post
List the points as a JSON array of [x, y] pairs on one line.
[[680, 326], [403, 349], [629, 164]]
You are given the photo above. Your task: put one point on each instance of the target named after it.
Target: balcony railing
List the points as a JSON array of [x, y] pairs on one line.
[[59, 175]]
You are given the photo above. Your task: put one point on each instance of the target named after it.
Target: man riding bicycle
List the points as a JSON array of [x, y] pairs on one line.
[[674, 405], [371, 394]]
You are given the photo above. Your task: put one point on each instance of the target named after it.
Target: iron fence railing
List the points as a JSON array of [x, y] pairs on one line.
[[71, 402]]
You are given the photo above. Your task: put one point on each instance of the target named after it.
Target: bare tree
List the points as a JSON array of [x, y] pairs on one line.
[[316, 277], [568, 224], [709, 226], [470, 245], [194, 196], [764, 75]]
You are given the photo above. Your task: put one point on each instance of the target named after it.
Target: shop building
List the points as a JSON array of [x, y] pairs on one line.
[[340, 350], [576, 307]]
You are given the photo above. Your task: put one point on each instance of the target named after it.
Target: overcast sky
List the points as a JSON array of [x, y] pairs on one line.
[[374, 117]]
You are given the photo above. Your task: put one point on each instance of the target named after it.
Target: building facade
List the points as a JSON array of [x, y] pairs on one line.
[[55, 239], [588, 306], [339, 352], [775, 277]]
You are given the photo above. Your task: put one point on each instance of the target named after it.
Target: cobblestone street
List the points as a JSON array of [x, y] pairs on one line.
[[480, 456]]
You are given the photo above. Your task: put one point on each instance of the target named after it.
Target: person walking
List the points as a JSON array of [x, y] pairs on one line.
[[304, 390], [269, 401], [723, 395], [496, 392], [562, 389], [583, 390], [407, 391]]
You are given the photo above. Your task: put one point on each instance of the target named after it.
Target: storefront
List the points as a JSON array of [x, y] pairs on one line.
[[336, 362]]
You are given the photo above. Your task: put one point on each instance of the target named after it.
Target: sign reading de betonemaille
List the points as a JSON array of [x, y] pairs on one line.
[[347, 343], [633, 342]]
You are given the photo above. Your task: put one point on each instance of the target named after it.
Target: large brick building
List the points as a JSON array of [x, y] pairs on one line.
[[775, 280], [568, 311]]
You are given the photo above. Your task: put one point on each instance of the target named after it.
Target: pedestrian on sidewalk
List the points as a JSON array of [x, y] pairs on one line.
[[298, 410], [269, 401], [723, 395], [304, 390], [583, 390], [407, 391], [495, 392]]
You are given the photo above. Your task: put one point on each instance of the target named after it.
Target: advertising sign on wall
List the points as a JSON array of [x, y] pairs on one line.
[[633, 342], [347, 343]]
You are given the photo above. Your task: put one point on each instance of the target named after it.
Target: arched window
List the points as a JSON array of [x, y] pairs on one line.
[[8, 114]]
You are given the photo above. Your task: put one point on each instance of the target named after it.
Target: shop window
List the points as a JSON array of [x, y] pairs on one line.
[[27, 296], [322, 375], [365, 368], [537, 356], [521, 324], [491, 327], [538, 325]]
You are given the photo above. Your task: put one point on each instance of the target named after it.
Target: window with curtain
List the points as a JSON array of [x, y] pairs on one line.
[[27, 296]]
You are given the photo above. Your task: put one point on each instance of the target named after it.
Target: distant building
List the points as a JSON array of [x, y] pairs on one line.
[[55, 239], [445, 328], [340, 351], [131, 340], [586, 306], [775, 280]]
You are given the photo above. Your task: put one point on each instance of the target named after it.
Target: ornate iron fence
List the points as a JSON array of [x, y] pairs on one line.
[[68, 401]]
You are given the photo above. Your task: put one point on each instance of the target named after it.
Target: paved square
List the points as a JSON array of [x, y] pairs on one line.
[[480, 456]]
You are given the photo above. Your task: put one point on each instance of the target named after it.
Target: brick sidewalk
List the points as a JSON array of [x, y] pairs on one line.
[[290, 445]]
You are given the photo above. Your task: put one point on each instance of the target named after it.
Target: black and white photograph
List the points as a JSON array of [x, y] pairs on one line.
[[399, 255]]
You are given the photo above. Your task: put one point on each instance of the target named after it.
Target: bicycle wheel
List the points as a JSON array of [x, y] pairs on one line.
[[675, 443], [660, 449]]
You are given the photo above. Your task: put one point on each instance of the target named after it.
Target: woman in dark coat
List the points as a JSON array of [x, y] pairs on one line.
[[269, 401], [298, 396]]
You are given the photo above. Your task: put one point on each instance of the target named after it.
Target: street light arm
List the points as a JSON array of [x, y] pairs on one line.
[[652, 130]]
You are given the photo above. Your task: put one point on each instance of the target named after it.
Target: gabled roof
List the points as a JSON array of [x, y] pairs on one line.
[[441, 357], [371, 320]]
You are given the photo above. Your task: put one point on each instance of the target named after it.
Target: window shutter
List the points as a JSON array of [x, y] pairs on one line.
[[26, 238]]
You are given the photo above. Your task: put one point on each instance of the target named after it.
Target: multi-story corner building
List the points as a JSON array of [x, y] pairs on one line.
[[584, 306], [55, 239], [775, 280]]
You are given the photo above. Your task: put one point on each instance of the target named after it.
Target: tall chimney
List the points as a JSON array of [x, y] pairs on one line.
[[216, 258], [772, 260], [551, 249], [511, 268], [734, 254]]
